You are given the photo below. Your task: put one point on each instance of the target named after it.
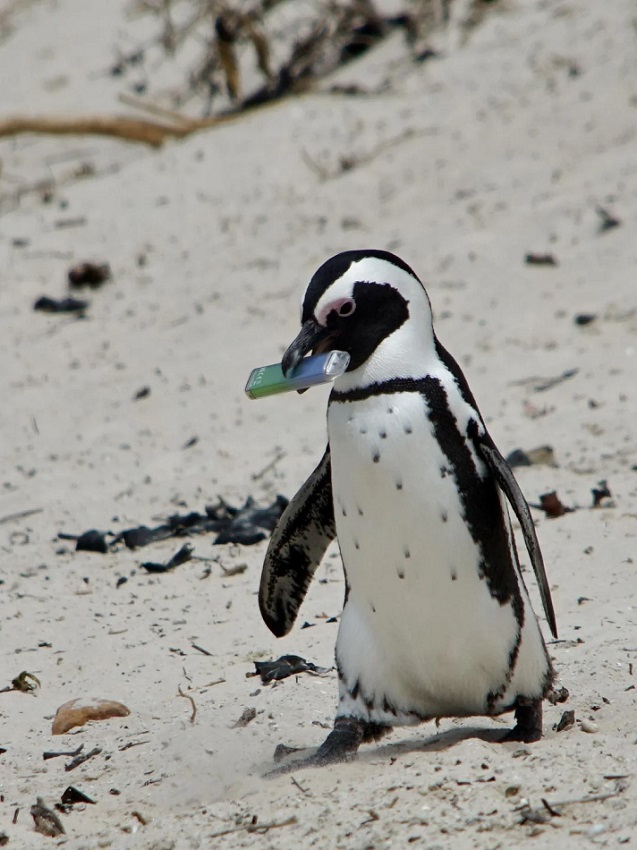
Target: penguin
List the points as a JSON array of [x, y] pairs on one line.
[[437, 621]]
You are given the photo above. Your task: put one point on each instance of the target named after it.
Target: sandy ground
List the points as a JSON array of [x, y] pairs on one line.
[[501, 146]]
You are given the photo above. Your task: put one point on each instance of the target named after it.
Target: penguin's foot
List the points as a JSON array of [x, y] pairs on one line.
[[340, 745], [528, 723]]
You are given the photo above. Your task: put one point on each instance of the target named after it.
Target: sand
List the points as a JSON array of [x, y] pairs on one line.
[[504, 144]]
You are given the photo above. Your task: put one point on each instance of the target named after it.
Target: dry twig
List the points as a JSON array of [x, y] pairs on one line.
[[253, 826], [192, 703]]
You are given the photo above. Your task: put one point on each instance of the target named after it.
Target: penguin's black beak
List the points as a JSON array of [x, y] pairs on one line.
[[312, 337]]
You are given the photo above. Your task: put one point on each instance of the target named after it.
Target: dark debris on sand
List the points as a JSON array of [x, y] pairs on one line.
[[245, 525]]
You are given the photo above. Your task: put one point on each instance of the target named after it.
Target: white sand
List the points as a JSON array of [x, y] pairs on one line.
[[499, 151]]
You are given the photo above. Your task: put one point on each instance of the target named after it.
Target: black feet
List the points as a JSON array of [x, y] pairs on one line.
[[340, 745], [528, 723]]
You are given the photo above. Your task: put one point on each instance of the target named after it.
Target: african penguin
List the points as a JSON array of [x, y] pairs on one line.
[[437, 621]]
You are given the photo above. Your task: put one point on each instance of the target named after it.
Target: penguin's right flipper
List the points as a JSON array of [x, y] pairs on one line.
[[511, 489], [296, 548]]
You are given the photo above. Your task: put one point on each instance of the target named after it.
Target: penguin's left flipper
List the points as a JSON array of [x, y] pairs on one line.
[[502, 473], [296, 548]]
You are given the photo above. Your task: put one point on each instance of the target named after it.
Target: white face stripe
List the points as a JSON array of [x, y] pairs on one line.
[[369, 270], [410, 350]]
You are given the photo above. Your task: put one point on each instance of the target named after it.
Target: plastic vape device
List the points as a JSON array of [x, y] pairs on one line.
[[309, 372]]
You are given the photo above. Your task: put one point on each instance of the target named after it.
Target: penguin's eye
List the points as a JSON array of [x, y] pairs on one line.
[[346, 308]]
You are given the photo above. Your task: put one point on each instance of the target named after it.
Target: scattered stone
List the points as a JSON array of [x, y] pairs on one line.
[[541, 456], [45, 304], [247, 717], [73, 795], [607, 220], [92, 541], [557, 695], [45, 820], [589, 726], [533, 259], [236, 570], [77, 713], [89, 274], [582, 319], [602, 495], [551, 505], [566, 721]]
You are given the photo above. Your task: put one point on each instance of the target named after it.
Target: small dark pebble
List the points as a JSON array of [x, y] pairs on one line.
[[92, 541], [120, 581], [307, 625], [89, 274], [424, 55], [551, 505], [584, 319], [557, 695], [566, 721], [247, 717], [541, 456], [143, 392], [537, 816], [607, 220], [74, 795], [45, 820], [518, 457], [60, 305], [600, 493], [532, 259]]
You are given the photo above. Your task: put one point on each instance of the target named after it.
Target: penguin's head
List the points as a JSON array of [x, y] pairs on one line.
[[370, 304]]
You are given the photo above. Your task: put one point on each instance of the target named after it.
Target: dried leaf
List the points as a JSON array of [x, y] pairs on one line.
[[247, 716], [286, 665], [25, 682]]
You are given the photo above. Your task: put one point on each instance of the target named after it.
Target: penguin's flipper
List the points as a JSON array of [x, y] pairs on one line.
[[511, 489], [296, 548]]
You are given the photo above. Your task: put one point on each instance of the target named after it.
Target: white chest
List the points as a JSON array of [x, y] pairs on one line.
[[420, 623], [397, 507]]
